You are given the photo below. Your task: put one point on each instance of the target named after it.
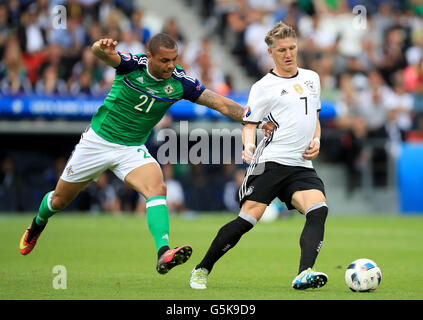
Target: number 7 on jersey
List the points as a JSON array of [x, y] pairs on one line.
[[305, 103]]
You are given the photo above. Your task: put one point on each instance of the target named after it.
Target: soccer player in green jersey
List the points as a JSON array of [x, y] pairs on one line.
[[145, 87]]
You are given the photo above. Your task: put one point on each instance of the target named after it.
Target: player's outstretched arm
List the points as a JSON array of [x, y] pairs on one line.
[[104, 49], [222, 104], [229, 108]]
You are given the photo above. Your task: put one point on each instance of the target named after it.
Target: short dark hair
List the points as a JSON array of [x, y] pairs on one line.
[[161, 40]]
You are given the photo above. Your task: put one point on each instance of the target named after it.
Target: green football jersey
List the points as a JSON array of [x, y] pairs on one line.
[[137, 100]]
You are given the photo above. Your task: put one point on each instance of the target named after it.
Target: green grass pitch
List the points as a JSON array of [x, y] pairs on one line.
[[114, 258]]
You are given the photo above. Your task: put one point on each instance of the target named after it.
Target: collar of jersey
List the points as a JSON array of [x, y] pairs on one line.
[[271, 71], [153, 77], [133, 86]]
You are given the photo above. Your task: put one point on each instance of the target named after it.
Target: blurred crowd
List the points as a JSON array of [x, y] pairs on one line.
[[44, 55], [37, 57], [369, 55]]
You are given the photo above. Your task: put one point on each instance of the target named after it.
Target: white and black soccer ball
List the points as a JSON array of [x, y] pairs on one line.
[[272, 212], [363, 275]]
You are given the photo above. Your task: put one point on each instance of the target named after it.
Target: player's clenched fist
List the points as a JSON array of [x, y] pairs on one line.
[[104, 49], [248, 153], [313, 150]]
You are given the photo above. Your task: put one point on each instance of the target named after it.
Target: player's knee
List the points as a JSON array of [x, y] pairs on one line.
[[58, 202], [318, 211], [304, 199], [254, 209], [238, 226], [161, 188], [156, 190]]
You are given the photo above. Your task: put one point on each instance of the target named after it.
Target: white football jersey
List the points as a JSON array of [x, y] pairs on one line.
[[292, 105]]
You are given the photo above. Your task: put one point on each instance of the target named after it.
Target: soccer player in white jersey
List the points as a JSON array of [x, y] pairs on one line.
[[281, 165]]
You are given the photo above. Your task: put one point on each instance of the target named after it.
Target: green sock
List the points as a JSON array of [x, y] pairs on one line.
[[158, 220], [45, 211]]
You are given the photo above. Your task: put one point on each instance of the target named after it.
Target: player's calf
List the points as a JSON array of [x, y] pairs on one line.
[[227, 237], [311, 239]]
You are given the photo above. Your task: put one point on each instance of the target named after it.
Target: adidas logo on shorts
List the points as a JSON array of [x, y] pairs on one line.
[[249, 191]]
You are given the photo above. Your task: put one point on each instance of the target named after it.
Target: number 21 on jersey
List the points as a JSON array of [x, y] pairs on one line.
[[144, 99]]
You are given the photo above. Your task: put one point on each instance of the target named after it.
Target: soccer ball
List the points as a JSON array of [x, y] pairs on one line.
[[363, 275], [271, 213]]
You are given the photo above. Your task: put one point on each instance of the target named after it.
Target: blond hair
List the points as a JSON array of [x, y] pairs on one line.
[[279, 31]]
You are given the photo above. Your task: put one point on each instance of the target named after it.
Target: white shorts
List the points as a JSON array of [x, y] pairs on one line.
[[93, 155]]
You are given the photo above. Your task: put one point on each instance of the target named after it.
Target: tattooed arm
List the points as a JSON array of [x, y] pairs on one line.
[[229, 108], [222, 104]]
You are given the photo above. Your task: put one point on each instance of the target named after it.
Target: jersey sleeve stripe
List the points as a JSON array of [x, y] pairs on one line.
[[272, 119], [182, 74]]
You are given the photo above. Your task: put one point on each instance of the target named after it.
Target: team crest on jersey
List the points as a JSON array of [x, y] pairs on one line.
[[298, 88], [310, 85], [168, 89], [69, 170], [247, 111], [125, 56]]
